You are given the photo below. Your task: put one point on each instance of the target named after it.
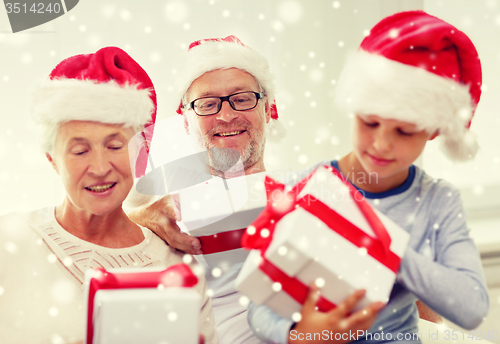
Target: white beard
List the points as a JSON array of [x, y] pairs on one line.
[[226, 159]]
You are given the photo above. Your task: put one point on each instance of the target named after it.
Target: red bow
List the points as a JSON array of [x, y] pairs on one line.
[[279, 203], [179, 275]]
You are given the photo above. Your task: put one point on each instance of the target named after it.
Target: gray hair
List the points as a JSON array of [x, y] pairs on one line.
[[49, 131]]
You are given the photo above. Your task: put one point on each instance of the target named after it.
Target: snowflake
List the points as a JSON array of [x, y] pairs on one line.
[[320, 282], [290, 11], [172, 316], [216, 272], [296, 316], [303, 159], [276, 286], [125, 14], [176, 11], [187, 259], [53, 311], [244, 301]]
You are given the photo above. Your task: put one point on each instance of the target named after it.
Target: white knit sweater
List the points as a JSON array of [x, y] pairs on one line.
[[41, 278]]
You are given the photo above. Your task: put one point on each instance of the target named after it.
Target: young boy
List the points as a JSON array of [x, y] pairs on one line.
[[414, 78]]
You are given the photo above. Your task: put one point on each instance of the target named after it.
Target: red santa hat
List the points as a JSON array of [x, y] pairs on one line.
[[222, 53], [417, 68], [107, 86]]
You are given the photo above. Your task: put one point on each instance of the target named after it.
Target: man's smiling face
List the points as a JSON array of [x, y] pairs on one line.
[[243, 131]]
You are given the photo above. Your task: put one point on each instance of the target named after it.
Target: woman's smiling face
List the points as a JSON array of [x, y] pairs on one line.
[[92, 159]]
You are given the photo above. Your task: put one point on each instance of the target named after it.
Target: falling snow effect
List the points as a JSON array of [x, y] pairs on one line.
[[320, 282], [216, 272], [180, 11], [244, 301], [187, 259], [290, 11], [296, 317], [176, 11]]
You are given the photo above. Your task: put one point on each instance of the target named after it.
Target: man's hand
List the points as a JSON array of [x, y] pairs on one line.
[[338, 320], [160, 217]]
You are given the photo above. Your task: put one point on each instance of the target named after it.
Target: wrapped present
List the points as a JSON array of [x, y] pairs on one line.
[[218, 211], [320, 231], [142, 306]]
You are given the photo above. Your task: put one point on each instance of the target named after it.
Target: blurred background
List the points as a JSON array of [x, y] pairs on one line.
[[306, 43]]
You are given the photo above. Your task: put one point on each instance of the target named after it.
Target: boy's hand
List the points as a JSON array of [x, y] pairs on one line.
[[428, 314], [160, 217], [338, 320]]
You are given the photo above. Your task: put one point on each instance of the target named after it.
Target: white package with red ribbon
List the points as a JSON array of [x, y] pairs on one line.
[[218, 212], [142, 306], [321, 231]]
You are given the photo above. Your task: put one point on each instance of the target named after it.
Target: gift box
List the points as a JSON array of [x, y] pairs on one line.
[[142, 306], [320, 231], [218, 211]]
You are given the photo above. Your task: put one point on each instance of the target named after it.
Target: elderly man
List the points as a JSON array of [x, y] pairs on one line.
[[227, 100]]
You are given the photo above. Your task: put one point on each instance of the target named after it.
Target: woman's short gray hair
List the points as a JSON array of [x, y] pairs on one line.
[[49, 130]]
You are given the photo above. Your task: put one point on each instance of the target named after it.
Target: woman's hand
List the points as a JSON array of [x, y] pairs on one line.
[[338, 323]]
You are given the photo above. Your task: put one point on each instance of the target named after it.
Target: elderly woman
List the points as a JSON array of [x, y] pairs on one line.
[[90, 108]]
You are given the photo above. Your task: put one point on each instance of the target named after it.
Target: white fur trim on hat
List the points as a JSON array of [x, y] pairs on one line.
[[62, 100], [373, 84], [212, 55], [275, 131]]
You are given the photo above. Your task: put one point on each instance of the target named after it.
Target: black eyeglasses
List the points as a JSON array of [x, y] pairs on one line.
[[240, 101]]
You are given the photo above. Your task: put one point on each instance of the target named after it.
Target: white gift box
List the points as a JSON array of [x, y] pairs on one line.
[[307, 249], [146, 315], [221, 206], [146, 306]]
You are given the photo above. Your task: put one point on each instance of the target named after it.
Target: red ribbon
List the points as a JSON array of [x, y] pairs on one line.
[[221, 242], [350, 232], [292, 286], [179, 275], [378, 248]]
